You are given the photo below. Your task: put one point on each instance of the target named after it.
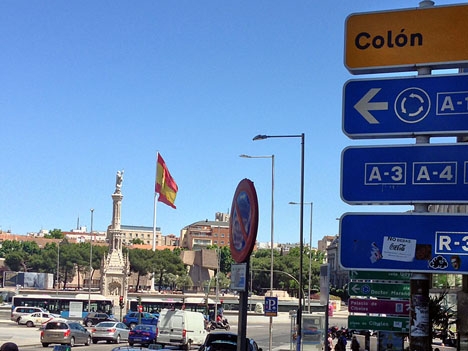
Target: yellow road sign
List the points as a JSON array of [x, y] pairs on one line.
[[403, 40]]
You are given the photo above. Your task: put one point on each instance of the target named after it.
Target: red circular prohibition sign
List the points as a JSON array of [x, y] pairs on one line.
[[244, 221]]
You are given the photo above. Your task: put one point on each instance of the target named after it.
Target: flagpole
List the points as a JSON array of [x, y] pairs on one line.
[[154, 218]]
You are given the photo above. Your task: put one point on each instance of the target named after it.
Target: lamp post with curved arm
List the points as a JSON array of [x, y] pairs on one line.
[[301, 229]]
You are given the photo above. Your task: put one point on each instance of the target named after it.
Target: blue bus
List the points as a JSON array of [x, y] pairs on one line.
[[69, 307]]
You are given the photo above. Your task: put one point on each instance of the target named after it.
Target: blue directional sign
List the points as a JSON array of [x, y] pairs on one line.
[[406, 107], [412, 242], [405, 174]]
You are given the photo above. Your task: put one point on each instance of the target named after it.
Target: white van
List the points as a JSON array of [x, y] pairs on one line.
[[181, 328]]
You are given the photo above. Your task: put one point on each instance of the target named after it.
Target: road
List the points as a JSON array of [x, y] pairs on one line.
[[257, 328]]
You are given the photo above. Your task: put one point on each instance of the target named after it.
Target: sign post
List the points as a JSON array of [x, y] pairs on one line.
[[243, 228]]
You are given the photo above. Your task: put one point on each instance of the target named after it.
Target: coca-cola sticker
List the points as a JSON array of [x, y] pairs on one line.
[[398, 249]]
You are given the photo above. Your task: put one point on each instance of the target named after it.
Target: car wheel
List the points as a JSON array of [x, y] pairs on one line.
[[95, 341], [89, 323], [29, 324], [44, 344], [72, 342], [117, 341], [88, 341]]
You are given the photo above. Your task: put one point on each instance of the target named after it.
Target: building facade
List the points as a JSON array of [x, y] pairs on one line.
[[202, 234]]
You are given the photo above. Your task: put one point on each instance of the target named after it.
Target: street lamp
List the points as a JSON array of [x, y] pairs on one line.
[[90, 260], [271, 232], [310, 244], [301, 229]]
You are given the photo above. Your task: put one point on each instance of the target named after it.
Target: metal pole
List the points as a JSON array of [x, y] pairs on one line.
[[90, 260], [271, 234], [310, 251], [301, 229], [58, 267], [272, 243], [301, 238]]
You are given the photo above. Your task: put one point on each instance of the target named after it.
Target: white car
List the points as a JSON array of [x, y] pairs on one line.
[[37, 318]]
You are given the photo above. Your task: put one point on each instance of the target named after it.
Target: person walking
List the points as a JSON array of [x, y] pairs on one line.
[[355, 346]]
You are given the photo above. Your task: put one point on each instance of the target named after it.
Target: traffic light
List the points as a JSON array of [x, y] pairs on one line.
[[121, 302]]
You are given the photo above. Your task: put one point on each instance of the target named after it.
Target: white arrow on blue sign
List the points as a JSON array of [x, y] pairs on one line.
[[406, 107], [405, 174]]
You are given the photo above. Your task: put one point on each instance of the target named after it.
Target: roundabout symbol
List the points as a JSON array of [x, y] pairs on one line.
[[412, 105]]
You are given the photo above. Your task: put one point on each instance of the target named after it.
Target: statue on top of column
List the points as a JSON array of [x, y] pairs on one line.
[[118, 181]]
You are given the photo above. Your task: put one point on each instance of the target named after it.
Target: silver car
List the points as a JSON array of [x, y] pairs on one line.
[[110, 332], [65, 333]]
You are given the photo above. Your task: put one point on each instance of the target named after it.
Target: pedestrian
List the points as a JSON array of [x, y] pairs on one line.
[[355, 344], [9, 346], [330, 342]]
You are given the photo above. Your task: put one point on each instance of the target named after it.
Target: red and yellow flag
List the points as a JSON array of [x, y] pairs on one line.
[[166, 187]]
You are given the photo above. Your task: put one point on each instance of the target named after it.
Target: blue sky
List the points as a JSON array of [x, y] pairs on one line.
[[93, 87]]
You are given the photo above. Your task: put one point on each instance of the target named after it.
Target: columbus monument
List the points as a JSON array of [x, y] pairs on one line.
[[115, 267]]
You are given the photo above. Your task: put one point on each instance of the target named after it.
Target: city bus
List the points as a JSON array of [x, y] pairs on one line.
[[74, 306], [153, 304]]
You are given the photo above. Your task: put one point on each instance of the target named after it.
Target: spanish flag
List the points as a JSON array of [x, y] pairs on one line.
[[166, 187]]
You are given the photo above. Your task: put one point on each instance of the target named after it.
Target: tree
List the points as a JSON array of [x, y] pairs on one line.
[[137, 241], [184, 282], [54, 234], [165, 262], [140, 263], [441, 314]]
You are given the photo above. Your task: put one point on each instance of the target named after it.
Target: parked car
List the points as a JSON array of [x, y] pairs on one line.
[[65, 333], [93, 318], [36, 318], [131, 319], [19, 311], [110, 332], [226, 341], [143, 334]]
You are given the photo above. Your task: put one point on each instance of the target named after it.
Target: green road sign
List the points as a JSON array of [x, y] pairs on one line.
[[377, 275], [401, 291], [394, 324]]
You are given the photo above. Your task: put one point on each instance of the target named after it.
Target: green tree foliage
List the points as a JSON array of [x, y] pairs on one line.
[[54, 234], [140, 262], [166, 262], [137, 241], [441, 313], [285, 270], [20, 256]]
